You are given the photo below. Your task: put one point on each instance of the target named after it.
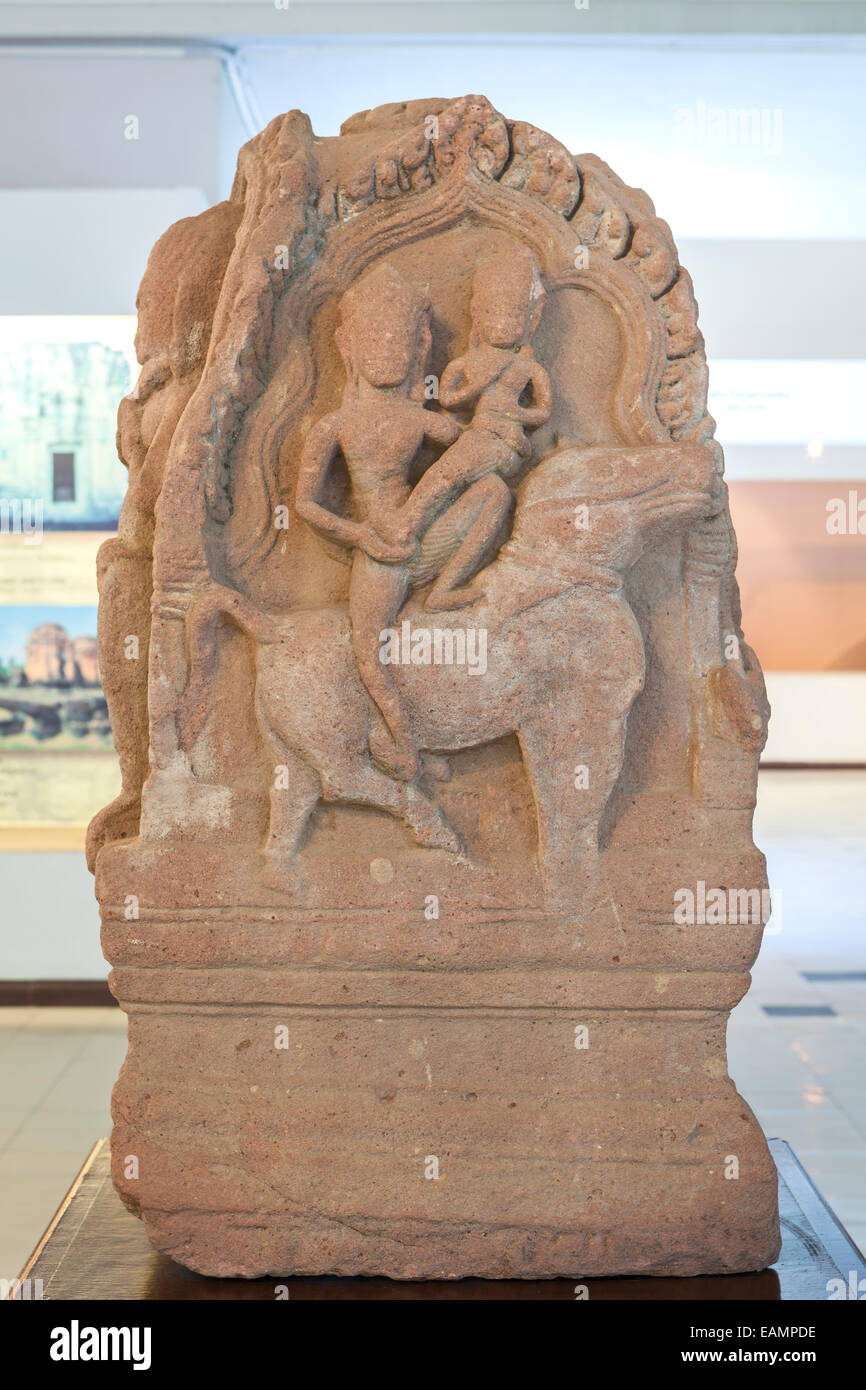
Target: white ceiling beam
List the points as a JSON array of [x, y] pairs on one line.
[[233, 18]]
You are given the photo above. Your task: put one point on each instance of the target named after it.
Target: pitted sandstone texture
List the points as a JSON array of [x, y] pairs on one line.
[[431, 883]]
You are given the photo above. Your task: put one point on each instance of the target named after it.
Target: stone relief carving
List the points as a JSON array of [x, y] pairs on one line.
[[434, 536], [426, 518]]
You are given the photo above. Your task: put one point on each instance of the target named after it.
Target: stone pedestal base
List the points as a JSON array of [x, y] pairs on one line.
[[360, 1090], [422, 1142]]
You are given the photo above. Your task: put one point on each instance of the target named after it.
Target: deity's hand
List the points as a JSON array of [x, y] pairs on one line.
[[398, 527], [451, 429], [389, 552]]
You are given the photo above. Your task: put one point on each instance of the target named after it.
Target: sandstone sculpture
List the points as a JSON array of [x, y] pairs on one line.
[[437, 724]]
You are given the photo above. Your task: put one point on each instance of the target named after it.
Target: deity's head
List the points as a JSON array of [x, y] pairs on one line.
[[384, 334], [507, 298]]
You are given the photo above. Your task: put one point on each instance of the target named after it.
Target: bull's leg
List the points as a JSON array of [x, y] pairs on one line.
[[294, 792], [427, 823], [368, 786], [572, 769]]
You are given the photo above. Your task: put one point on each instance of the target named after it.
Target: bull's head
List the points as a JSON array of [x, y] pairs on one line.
[[604, 505]]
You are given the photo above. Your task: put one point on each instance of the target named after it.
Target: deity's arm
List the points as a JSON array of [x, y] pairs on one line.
[[442, 429], [539, 413], [316, 458], [456, 386]]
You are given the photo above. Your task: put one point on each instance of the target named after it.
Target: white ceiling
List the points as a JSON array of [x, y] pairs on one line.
[[774, 231], [660, 116], [764, 142], [275, 17]]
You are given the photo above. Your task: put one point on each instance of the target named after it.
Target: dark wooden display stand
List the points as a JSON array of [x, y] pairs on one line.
[[94, 1249]]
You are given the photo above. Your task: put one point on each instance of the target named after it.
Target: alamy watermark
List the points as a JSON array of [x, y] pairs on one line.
[[28, 1289], [846, 516], [438, 646], [22, 516], [77, 1343], [757, 126], [726, 907]]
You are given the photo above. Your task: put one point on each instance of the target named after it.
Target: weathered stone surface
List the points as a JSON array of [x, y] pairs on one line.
[[431, 883]]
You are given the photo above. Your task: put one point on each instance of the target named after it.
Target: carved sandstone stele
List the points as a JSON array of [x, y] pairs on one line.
[[431, 884]]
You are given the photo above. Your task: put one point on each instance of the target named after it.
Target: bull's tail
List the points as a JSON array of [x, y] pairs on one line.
[[201, 623]]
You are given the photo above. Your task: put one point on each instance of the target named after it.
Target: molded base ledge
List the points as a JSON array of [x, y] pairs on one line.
[[234, 1245], [442, 1144]]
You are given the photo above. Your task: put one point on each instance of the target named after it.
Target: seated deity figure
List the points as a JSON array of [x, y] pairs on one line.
[[495, 374], [452, 521]]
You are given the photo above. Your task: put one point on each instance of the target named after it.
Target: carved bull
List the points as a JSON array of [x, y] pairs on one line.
[[554, 616]]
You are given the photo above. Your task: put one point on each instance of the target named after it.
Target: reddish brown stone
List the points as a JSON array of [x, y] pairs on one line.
[[431, 883]]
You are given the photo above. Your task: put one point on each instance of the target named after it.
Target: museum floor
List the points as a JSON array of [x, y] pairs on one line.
[[797, 1043]]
